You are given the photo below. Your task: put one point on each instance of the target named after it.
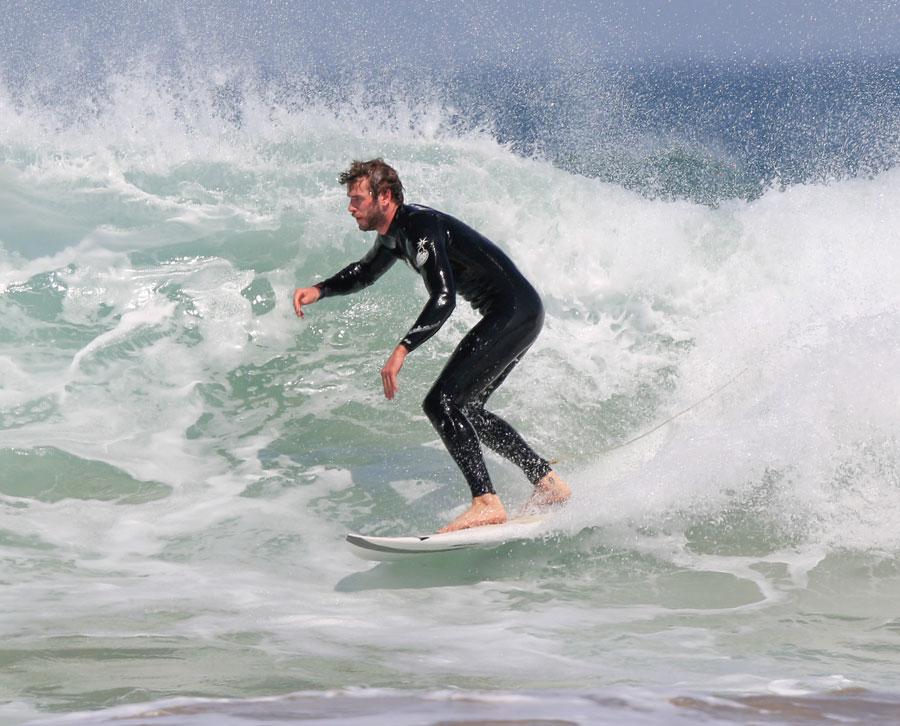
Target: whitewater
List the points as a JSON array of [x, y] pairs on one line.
[[181, 456]]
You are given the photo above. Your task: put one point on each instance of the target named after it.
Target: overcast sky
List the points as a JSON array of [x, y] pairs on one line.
[[643, 28], [432, 33]]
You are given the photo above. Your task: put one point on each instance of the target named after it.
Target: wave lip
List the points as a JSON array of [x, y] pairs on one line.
[[705, 132]]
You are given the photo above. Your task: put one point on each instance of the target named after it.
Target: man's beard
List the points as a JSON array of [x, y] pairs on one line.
[[372, 222]]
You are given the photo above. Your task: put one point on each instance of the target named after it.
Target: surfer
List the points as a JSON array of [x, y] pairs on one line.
[[452, 259]]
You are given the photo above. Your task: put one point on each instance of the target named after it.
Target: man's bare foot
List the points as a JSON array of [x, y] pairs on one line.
[[549, 491], [486, 509]]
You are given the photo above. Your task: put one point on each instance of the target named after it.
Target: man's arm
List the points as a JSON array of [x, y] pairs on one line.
[[433, 265], [352, 278]]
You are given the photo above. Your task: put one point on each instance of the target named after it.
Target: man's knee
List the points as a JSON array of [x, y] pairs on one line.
[[437, 405], [440, 404]]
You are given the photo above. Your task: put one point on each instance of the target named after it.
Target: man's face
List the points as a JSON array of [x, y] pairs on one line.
[[367, 209]]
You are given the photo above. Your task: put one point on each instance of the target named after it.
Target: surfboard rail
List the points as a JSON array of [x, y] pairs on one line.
[[381, 548]]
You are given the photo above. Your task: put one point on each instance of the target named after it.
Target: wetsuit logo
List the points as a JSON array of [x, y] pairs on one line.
[[422, 254]]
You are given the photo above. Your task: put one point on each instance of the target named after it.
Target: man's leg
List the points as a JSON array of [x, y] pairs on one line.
[[500, 437], [478, 365], [494, 432], [470, 368]]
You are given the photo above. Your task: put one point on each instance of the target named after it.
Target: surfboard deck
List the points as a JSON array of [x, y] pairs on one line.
[[384, 549]]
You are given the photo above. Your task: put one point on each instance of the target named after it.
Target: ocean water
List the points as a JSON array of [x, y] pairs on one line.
[[180, 456]]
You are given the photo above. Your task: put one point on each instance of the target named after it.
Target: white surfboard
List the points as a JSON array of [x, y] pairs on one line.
[[398, 548]]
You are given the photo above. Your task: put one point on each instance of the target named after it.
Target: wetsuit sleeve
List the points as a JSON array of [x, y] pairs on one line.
[[433, 265], [360, 274]]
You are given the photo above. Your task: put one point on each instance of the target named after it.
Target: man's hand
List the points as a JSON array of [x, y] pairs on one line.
[[390, 371], [305, 296]]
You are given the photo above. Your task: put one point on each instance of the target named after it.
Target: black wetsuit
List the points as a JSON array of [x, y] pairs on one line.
[[452, 259]]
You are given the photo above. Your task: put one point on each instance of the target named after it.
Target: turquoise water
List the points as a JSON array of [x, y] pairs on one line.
[[180, 456]]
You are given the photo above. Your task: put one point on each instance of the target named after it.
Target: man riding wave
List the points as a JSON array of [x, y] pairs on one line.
[[453, 260]]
